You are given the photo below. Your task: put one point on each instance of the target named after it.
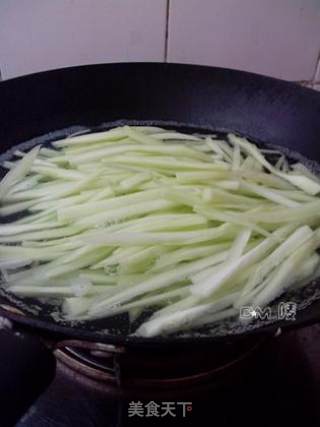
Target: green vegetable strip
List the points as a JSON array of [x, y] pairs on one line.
[[159, 281], [18, 172]]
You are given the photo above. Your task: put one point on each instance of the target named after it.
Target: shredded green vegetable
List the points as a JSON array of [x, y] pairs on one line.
[[131, 218]]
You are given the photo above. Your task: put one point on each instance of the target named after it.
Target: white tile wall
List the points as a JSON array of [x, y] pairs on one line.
[[42, 34], [276, 37], [317, 76]]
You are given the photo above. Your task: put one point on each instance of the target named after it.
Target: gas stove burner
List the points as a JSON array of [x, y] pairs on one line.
[[121, 371]]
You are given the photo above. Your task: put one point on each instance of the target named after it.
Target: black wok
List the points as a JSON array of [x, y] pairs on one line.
[[190, 98]]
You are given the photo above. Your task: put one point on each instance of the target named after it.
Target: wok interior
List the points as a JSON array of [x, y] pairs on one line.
[[119, 325]]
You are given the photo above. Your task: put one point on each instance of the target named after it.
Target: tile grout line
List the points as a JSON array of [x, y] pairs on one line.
[[166, 31], [317, 69]]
